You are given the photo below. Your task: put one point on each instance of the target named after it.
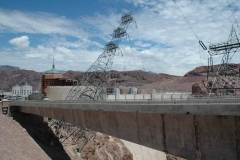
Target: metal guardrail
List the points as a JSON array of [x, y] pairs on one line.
[[145, 102]]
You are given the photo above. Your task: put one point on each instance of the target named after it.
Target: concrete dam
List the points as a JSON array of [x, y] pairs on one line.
[[199, 129]]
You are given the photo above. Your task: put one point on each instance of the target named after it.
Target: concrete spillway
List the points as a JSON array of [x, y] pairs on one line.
[[199, 130]]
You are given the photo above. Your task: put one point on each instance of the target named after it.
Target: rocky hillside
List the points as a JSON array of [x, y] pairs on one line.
[[202, 70], [128, 78], [144, 81], [20, 77], [89, 144], [9, 68]]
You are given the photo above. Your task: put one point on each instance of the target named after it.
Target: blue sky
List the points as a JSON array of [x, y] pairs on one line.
[[74, 32]]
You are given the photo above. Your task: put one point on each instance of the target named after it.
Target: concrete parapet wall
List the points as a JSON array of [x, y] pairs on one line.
[[111, 97], [130, 96], [147, 96], [138, 96], [167, 96], [122, 97], [158, 96], [189, 131]]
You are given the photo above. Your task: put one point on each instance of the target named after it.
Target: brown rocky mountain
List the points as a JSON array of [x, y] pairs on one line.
[[202, 70], [128, 78], [145, 81], [9, 68], [20, 77], [199, 87]]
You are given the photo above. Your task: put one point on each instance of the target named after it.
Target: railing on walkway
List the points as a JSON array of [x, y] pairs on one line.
[[192, 101]]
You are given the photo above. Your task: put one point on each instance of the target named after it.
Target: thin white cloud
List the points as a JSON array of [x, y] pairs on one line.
[[21, 42], [38, 23], [66, 52], [162, 43], [140, 44]]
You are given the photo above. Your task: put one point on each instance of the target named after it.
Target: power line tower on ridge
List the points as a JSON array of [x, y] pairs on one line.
[[226, 75], [93, 84]]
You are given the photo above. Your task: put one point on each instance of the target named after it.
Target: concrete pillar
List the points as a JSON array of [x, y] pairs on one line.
[[153, 96], [133, 90], [117, 93]]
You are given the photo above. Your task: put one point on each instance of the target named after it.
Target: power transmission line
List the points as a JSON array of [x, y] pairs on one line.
[[186, 20], [200, 42], [233, 14]]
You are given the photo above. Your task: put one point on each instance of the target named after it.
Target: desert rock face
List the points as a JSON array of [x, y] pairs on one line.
[[144, 81], [84, 144], [74, 75], [140, 79], [128, 78], [198, 71], [102, 146], [199, 88], [9, 79], [202, 70], [9, 68], [172, 157]]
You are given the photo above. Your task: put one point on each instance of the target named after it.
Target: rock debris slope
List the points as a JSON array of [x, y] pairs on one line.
[[15, 142]]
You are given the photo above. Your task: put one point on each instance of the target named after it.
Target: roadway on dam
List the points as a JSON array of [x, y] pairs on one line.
[[192, 106]]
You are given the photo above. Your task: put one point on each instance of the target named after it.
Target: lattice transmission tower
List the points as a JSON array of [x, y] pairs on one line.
[[93, 84], [226, 75]]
